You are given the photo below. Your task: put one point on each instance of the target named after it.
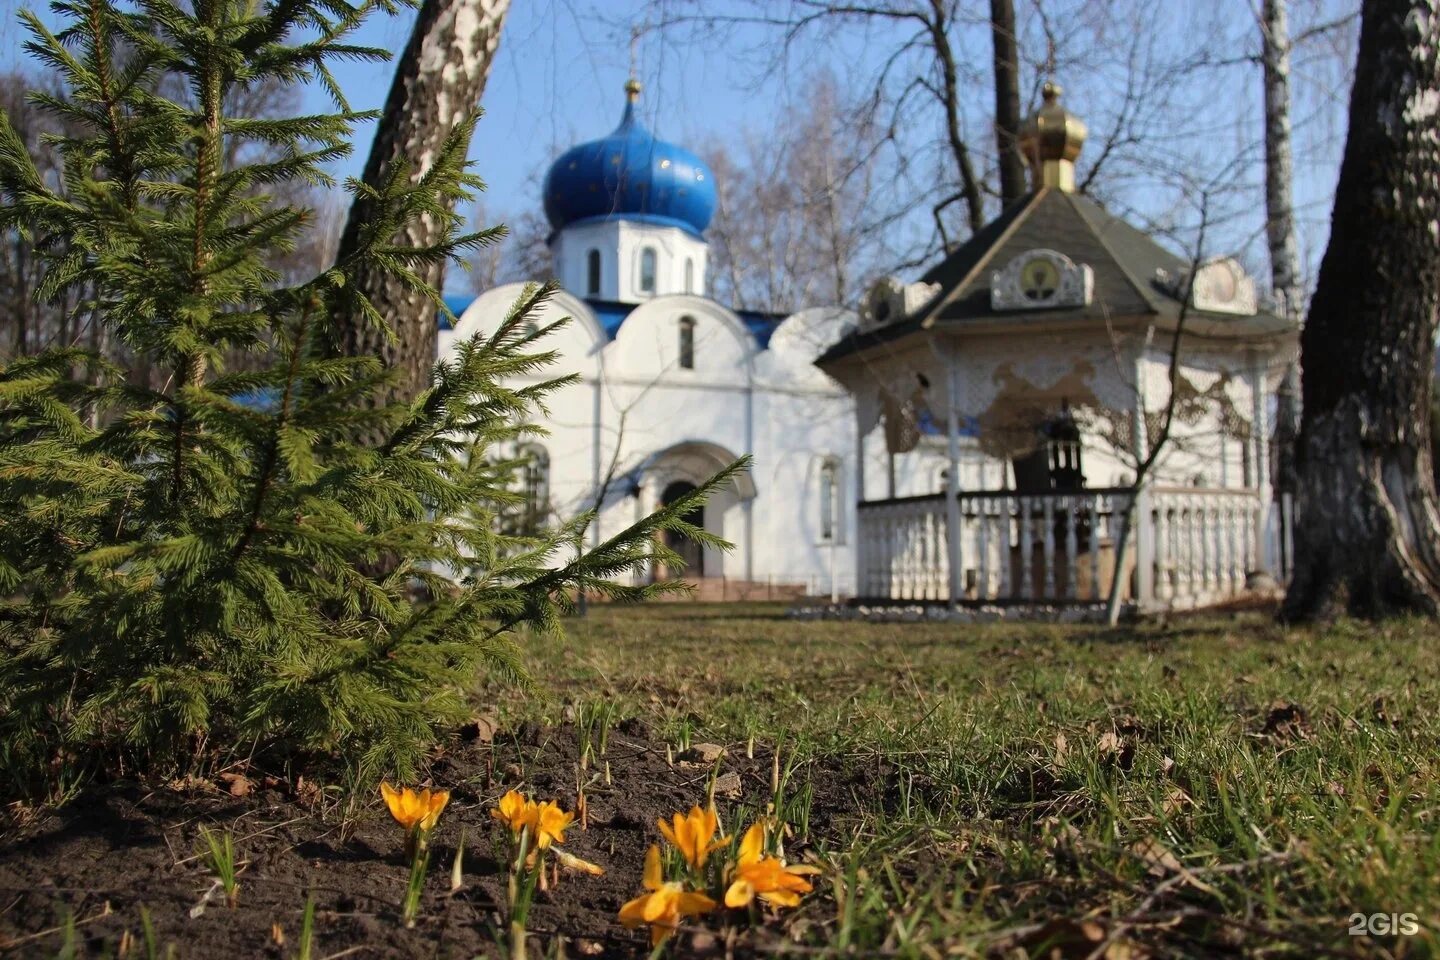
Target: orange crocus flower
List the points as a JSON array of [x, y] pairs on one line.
[[414, 811], [692, 835], [514, 811], [666, 903], [550, 823], [768, 878]]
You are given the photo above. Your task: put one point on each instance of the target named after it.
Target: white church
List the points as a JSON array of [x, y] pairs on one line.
[[967, 438], [674, 386]]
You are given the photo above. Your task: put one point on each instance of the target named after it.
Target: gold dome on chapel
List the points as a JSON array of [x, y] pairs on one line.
[[1051, 140]]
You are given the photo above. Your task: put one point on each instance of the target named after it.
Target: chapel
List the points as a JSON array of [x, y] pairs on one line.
[[1044, 351]]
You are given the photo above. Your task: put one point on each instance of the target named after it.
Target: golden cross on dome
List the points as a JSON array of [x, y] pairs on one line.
[[632, 86]]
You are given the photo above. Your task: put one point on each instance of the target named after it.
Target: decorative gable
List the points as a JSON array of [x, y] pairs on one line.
[[1041, 279], [1221, 286], [890, 299]]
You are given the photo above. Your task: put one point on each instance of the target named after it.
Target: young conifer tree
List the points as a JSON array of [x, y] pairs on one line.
[[218, 566]]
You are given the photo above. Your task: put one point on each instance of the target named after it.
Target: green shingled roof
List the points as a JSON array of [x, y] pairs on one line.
[[1125, 262]]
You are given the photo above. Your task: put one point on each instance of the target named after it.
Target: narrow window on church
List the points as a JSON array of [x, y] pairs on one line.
[[687, 343], [829, 499], [535, 487], [592, 274], [689, 275], [647, 270]]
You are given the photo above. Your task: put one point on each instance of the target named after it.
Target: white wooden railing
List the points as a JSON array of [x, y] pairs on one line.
[[1194, 548], [1204, 544], [1051, 547], [904, 549]]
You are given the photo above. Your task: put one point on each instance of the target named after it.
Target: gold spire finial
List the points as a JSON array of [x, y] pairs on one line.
[[1051, 140], [632, 86]]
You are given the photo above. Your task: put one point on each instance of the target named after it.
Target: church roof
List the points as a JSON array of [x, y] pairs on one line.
[[457, 302], [630, 175], [612, 314], [1127, 264]]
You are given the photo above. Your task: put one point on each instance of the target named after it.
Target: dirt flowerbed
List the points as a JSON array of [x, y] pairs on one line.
[[73, 881]]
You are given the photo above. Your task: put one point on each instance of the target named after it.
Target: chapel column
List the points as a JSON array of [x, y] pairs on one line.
[[1260, 437], [953, 531]]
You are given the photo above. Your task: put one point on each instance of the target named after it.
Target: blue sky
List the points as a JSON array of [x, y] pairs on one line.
[[557, 80]]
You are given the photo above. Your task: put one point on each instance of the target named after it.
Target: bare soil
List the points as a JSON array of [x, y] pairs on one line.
[[123, 846]]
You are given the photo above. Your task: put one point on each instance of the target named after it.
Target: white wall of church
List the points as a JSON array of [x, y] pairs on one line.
[[640, 413], [680, 260]]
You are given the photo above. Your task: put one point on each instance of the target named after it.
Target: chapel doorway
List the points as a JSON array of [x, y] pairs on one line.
[[692, 554]]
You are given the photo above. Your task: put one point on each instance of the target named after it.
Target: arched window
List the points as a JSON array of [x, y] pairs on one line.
[[830, 501], [689, 275], [687, 343], [647, 270], [534, 486], [592, 273]]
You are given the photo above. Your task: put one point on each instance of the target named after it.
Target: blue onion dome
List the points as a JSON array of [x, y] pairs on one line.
[[630, 175]]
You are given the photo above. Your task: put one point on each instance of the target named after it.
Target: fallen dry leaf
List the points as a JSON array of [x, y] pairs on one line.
[[1176, 800], [1158, 859], [480, 730], [701, 754], [728, 785], [1117, 749], [236, 784]]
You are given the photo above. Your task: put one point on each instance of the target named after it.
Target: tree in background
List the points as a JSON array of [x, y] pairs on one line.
[[523, 256], [438, 81], [1367, 534], [794, 221], [1281, 236], [937, 83], [186, 570], [1005, 43], [30, 323]]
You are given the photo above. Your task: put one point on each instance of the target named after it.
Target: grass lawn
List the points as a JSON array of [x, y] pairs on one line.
[[1205, 786]]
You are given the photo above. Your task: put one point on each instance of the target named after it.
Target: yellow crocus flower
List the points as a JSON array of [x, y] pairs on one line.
[[414, 810], [551, 823], [547, 821], [692, 835], [666, 903], [515, 811], [768, 878]]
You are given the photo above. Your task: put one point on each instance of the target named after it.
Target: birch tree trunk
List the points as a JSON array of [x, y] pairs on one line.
[[1279, 160], [1007, 101], [1280, 218], [1367, 525], [438, 82]]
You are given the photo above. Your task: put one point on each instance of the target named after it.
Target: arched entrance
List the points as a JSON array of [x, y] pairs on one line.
[[692, 555], [668, 474]]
